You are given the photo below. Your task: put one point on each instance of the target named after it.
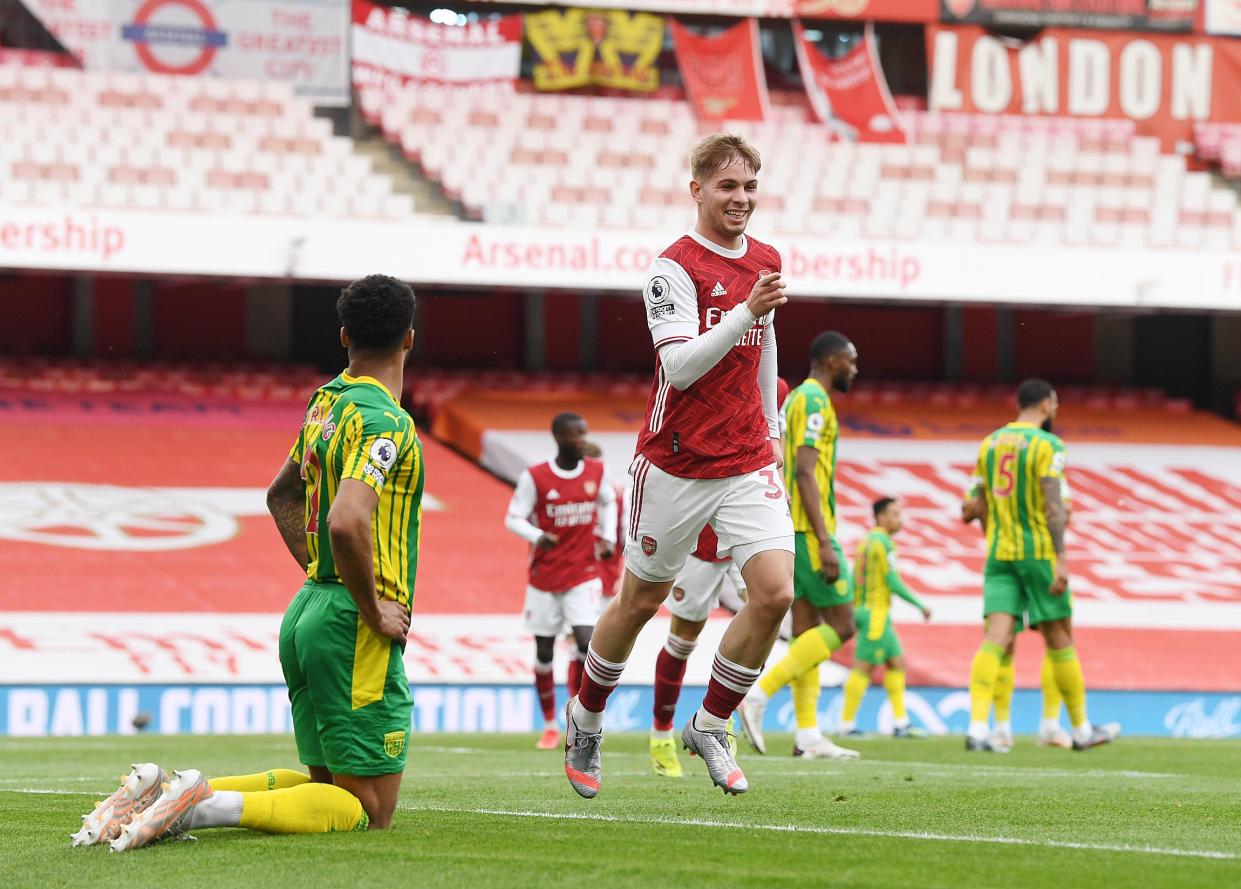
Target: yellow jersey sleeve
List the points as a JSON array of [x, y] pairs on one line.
[[296, 452], [1051, 459], [978, 481], [795, 421], [373, 441], [820, 422]]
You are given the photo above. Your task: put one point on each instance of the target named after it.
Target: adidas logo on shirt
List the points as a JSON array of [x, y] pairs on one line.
[[719, 290], [553, 494]]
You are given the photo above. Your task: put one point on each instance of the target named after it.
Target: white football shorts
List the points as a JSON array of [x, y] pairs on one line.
[[666, 514], [547, 614], [697, 589]]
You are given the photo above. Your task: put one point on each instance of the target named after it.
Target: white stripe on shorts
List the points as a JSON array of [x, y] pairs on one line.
[[641, 466]]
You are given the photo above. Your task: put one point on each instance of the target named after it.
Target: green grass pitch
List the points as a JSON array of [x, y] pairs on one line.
[[484, 811]]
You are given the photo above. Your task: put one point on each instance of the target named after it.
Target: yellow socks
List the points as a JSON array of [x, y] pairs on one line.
[[894, 684], [272, 779], [1070, 682], [983, 671], [1005, 679], [1052, 699], [307, 808], [856, 684], [806, 698], [808, 650]]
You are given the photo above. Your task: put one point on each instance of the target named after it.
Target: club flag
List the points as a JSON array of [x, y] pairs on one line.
[[565, 51], [627, 47], [580, 47], [723, 74], [851, 90]]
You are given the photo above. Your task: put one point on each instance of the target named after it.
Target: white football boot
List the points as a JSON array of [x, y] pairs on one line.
[[167, 815], [752, 710], [138, 790], [823, 748]]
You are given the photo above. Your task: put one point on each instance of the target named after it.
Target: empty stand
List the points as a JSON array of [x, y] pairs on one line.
[[257, 382], [68, 138], [572, 161], [429, 390]]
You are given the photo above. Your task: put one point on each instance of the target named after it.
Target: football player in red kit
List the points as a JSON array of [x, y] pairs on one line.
[[708, 453], [566, 510]]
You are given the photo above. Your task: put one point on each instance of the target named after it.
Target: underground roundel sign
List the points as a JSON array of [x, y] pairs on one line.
[[175, 36]]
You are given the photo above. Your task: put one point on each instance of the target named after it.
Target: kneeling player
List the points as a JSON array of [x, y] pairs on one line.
[[555, 508], [695, 592], [348, 505], [875, 578]]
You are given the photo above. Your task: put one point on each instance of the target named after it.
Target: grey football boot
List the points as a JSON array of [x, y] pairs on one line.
[[582, 763], [715, 751]]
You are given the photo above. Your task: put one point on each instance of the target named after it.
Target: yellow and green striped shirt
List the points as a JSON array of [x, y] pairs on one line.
[[355, 429], [810, 422], [1012, 462], [876, 577]]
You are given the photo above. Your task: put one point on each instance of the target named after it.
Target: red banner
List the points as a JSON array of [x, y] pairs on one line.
[[391, 47], [1163, 83], [851, 89], [723, 74], [869, 10]]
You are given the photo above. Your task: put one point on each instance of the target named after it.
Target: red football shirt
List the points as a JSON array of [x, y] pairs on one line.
[[565, 507], [716, 427]]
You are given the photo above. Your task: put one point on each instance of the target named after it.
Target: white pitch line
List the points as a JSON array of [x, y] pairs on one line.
[[841, 831], [55, 792], [62, 778], [1033, 770], [810, 771]]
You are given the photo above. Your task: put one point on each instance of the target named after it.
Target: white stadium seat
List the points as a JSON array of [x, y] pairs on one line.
[[75, 134]]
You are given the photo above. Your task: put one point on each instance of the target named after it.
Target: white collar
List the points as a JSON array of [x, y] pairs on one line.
[[567, 473], [722, 251]]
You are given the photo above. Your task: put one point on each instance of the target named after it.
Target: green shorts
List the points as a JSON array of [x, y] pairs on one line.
[[351, 702], [878, 650], [808, 582], [1020, 588]]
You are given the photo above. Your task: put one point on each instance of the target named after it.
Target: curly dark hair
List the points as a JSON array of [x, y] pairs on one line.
[[1033, 391], [376, 311]]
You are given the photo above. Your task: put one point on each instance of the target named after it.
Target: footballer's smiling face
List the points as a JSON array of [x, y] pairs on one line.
[[727, 198]]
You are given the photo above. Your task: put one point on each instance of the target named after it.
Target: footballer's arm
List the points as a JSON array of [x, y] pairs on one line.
[[974, 508], [1056, 522], [685, 361], [349, 529], [767, 365], [808, 488], [520, 506], [286, 501]]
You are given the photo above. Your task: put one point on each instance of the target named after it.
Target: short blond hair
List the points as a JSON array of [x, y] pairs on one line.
[[718, 150]]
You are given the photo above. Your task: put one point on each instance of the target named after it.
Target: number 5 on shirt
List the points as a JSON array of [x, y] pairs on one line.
[[1008, 480]]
